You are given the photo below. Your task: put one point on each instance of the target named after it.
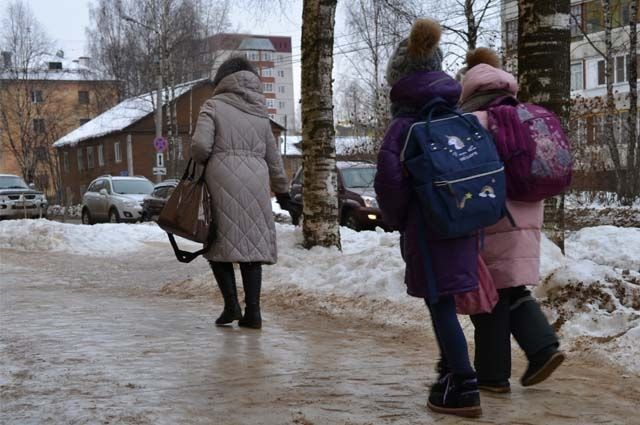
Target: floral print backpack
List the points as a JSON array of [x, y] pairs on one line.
[[534, 148]]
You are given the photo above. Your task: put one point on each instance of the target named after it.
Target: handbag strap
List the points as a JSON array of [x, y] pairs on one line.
[[186, 256]]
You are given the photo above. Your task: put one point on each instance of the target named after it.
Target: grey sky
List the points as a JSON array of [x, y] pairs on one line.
[[65, 21]]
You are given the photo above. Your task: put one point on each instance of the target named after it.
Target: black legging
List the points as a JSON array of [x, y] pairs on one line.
[[251, 279]]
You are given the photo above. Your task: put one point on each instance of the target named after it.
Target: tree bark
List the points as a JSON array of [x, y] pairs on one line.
[[544, 41], [320, 197], [609, 130], [633, 162]]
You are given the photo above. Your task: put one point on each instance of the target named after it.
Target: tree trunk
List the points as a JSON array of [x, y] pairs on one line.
[[544, 41], [472, 28], [633, 162], [609, 130], [320, 197]]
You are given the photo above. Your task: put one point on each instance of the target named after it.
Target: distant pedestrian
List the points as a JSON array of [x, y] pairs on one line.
[[416, 77], [512, 255], [233, 137]]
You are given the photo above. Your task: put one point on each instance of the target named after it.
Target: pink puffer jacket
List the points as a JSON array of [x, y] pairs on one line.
[[512, 254]]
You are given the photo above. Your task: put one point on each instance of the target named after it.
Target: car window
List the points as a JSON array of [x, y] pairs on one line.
[[107, 185], [12, 182], [99, 185], [92, 187], [358, 177], [170, 190], [160, 192], [132, 187]]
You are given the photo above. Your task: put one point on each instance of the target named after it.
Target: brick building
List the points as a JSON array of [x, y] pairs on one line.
[[39, 104], [270, 54], [120, 141]]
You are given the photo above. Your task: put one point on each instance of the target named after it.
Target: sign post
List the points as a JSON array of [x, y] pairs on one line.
[[160, 145]]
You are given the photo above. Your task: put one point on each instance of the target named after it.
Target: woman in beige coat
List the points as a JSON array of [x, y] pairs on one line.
[[233, 139]]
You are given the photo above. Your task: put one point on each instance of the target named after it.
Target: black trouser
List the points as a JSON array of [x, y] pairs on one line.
[[517, 313], [251, 280]]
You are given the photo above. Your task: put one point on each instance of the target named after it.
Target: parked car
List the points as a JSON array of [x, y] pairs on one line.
[[115, 199], [20, 200], [356, 196], [152, 204]]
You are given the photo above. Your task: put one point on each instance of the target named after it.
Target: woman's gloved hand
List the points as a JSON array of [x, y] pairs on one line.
[[284, 199]]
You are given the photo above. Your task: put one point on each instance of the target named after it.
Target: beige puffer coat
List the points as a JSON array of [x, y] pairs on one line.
[[233, 137]]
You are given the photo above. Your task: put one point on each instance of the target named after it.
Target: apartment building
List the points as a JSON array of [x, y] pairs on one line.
[[272, 57], [40, 103]]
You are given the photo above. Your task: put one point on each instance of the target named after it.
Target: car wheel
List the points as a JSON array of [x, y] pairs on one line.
[[114, 217], [351, 221], [86, 217]]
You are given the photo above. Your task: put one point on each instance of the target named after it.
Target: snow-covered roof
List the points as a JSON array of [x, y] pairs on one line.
[[119, 117], [254, 43], [344, 146], [39, 69]]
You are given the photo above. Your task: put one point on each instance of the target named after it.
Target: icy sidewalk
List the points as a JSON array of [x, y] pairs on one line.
[[96, 340]]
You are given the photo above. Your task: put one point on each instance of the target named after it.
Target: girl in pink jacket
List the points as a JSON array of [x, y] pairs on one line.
[[512, 255]]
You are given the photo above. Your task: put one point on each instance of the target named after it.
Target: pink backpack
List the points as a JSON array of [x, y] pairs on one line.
[[534, 148]]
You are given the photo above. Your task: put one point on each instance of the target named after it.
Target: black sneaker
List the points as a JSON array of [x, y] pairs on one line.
[[541, 366], [499, 387], [456, 395]]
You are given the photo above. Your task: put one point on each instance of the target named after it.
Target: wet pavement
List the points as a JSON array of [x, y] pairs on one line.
[[90, 340]]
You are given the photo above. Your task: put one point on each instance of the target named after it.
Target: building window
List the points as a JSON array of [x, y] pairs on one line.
[[116, 149], [55, 65], [512, 35], [252, 56], [281, 73], [267, 56], [36, 96], [100, 155], [38, 126], [576, 20], [89, 156], [83, 121], [601, 74], [41, 153], [281, 89], [620, 70], [83, 97], [270, 103], [267, 87], [267, 72], [80, 160], [65, 161], [594, 19], [281, 105], [577, 76]]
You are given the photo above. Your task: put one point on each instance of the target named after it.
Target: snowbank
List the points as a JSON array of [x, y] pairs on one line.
[[98, 240]]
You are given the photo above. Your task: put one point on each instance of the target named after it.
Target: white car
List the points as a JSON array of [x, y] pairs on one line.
[[115, 199], [19, 200]]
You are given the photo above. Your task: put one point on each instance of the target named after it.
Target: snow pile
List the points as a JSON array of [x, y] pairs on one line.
[[98, 240], [59, 210], [593, 295]]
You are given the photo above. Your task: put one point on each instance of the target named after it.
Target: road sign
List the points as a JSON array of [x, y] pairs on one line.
[[160, 143], [159, 160], [159, 171]]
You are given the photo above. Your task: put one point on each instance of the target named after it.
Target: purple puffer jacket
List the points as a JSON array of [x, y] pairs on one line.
[[454, 261]]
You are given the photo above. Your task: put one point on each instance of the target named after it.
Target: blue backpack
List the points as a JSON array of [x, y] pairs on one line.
[[456, 171]]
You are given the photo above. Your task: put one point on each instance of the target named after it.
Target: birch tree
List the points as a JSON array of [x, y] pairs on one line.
[[321, 225], [633, 157], [544, 40]]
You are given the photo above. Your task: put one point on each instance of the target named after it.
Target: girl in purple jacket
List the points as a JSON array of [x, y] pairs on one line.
[[415, 75]]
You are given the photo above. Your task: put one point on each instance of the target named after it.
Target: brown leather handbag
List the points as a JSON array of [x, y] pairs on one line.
[[188, 214]]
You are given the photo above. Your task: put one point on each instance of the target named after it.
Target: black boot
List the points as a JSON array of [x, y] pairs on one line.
[[252, 282], [225, 277], [456, 395]]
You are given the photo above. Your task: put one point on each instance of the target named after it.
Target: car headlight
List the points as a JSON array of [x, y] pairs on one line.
[[4, 197], [370, 201]]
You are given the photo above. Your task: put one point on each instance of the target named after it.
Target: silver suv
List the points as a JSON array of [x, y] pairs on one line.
[[115, 199], [19, 200]]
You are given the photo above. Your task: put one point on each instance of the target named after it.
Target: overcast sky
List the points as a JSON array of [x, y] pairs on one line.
[[65, 22]]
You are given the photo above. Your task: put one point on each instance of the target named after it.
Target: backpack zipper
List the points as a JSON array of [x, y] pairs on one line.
[[449, 182]]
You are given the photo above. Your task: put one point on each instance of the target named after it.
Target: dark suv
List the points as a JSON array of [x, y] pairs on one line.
[[356, 196]]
